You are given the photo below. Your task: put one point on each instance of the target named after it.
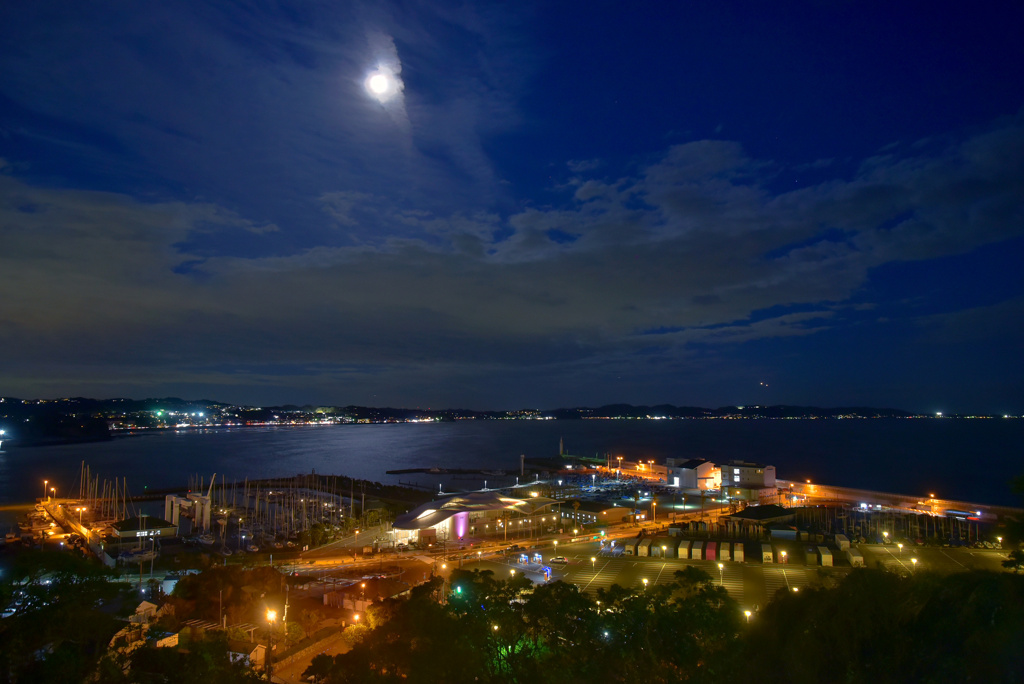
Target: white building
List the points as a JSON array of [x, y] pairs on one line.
[[691, 473], [748, 475]]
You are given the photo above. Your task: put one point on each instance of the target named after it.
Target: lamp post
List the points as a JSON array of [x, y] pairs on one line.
[[721, 571], [271, 617], [783, 557], [913, 564], [593, 562], [885, 537], [53, 492], [644, 580], [747, 614], [900, 547], [654, 510], [45, 483]]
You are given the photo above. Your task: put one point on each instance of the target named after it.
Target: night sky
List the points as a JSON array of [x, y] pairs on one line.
[[549, 204]]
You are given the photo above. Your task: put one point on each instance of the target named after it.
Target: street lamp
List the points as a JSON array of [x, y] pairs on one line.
[[783, 557], [914, 563], [721, 570], [513, 571], [885, 537], [271, 617], [644, 580], [900, 547], [45, 482], [654, 511], [53, 492], [747, 613], [593, 562], [80, 509]]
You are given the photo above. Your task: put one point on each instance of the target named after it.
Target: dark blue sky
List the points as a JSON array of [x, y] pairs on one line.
[[552, 204]]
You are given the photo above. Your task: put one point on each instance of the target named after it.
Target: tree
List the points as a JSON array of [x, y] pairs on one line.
[[309, 619], [319, 668], [58, 630]]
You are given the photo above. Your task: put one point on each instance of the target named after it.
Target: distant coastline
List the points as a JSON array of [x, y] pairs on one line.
[[48, 422]]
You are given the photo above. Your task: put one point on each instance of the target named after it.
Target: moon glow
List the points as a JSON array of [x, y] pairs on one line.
[[378, 84], [382, 84]]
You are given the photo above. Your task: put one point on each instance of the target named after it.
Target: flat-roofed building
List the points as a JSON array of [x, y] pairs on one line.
[[594, 513], [143, 527], [744, 475]]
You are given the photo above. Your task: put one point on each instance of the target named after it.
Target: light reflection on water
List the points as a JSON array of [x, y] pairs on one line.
[[959, 459]]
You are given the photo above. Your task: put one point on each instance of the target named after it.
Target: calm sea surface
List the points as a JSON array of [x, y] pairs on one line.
[[972, 460]]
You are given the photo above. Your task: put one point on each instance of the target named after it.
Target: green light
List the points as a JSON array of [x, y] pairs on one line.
[[458, 590]]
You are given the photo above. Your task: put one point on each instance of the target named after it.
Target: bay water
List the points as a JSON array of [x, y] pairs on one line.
[[970, 460]]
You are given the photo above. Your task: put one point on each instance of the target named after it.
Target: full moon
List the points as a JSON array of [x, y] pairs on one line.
[[382, 84], [378, 84]]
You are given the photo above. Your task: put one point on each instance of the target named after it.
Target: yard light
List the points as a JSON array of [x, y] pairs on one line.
[[644, 580], [747, 613], [271, 617]]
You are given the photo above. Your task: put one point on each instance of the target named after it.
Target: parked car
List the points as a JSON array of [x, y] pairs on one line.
[[561, 560]]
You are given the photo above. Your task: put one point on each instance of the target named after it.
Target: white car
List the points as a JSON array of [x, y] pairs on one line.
[[561, 560]]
